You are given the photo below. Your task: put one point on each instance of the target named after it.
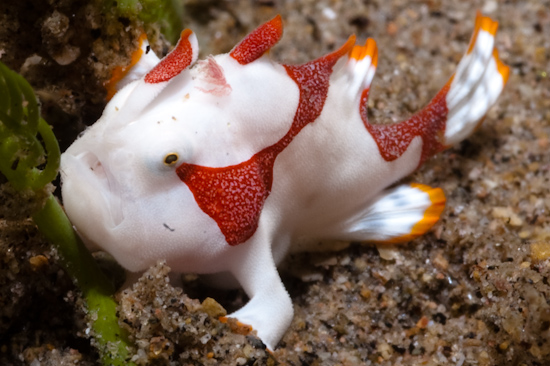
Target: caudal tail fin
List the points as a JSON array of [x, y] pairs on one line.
[[478, 81], [454, 113]]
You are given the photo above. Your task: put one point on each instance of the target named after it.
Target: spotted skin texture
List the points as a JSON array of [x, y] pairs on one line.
[[234, 196], [222, 166], [174, 63], [428, 124], [259, 41]]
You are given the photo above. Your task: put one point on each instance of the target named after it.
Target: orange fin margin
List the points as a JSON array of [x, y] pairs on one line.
[[369, 49], [120, 72], [431, 215]]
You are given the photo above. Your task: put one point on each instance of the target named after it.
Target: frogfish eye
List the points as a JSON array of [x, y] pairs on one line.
[[171, 159]]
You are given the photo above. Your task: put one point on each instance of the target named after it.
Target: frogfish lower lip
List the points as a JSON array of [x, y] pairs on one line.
[[103, 188]]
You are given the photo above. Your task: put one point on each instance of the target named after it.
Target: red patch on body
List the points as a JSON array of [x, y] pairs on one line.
[[259, 41], [393, 140], [175, 62], [234, 196]]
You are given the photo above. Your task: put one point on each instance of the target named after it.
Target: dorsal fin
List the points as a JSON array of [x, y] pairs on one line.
[[147, 89], [259, 41], [361, 66], [181, 57], [142, 61]]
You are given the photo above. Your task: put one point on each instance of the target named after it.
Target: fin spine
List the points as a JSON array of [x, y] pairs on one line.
[[120, 72]]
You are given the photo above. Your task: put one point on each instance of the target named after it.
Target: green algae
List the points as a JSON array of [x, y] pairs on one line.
[[29, 159]]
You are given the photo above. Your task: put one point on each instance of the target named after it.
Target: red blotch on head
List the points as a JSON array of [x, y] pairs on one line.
[[175, 62], [234, 196], [259, 41]]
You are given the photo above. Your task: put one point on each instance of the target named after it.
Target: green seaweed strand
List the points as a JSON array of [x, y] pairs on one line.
[[30, 162], [20, 150], [77, 261], [167, 13]]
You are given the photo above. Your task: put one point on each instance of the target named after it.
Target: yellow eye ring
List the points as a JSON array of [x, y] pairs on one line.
[[171, 159]]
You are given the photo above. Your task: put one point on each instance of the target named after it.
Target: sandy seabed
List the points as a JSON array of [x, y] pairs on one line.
[[474, 291]]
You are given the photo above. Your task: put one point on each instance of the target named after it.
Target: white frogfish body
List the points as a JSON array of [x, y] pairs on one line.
[[220, 165]]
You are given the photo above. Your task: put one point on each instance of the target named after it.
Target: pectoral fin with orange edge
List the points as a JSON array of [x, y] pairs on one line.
[[398, 215]]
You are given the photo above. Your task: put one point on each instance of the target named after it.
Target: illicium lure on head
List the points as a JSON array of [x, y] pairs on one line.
[[219, 166]]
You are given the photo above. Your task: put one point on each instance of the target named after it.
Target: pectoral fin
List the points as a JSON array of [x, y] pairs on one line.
[[398, 215]]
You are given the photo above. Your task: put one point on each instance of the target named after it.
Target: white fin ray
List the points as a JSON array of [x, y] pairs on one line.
[[470, 70], [361, 67], [478, 81]]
